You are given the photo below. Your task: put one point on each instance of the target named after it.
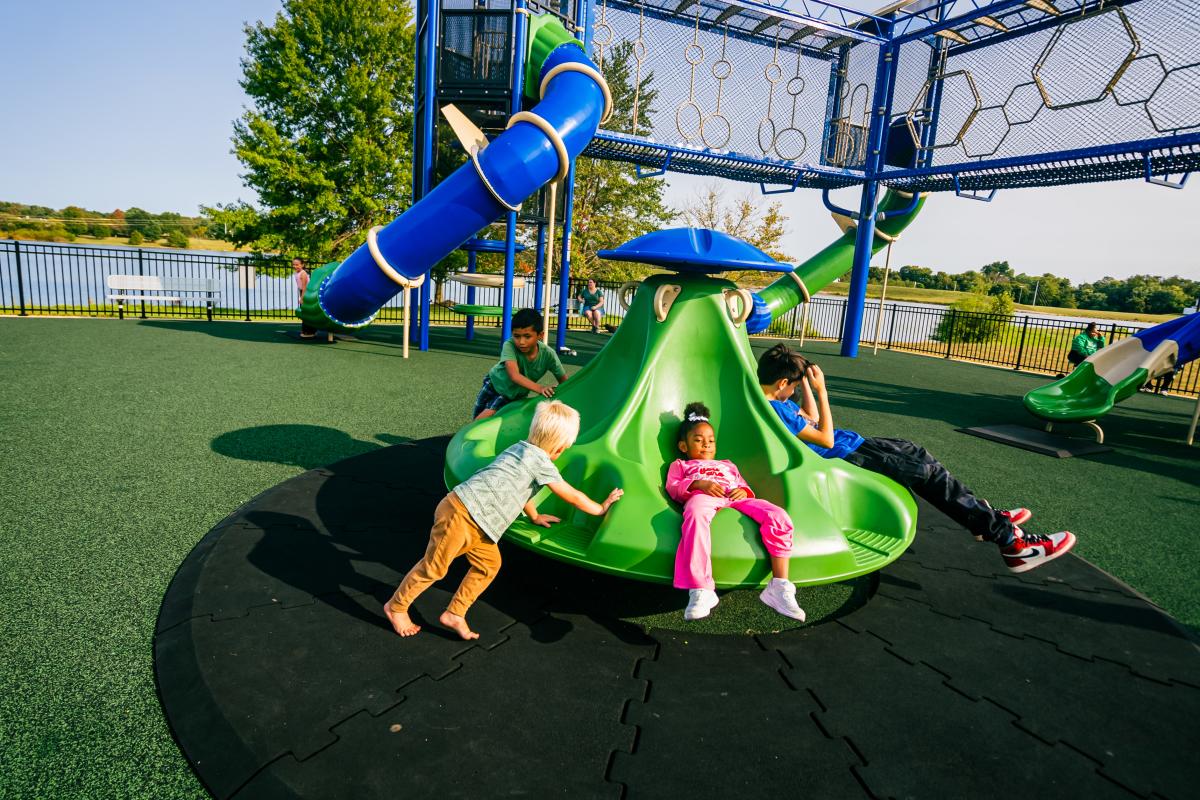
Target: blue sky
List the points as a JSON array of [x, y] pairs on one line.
[[120, 104]]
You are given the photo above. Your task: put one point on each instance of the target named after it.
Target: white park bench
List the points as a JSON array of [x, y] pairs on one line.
[[161, 289]]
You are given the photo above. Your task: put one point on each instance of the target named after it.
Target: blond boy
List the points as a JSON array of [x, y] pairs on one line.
[[471, 519]]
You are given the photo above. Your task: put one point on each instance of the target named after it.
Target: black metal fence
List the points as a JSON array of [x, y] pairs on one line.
[[42, 279], [69, 280]]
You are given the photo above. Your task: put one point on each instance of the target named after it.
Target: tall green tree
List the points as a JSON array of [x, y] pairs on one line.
[[611, 204], [327, 142]]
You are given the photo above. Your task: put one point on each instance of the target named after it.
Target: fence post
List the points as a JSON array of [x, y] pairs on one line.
[[246, 283], [1021, 346], [892, 327], [950, 334], [141, 272], [20, 278], [1112, 332], [842, 320]]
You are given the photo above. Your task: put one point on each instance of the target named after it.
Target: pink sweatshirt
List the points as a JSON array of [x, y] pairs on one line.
[[682, 473]]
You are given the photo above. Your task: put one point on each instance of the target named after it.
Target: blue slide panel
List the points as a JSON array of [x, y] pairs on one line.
[[517, 163], [1184, 330]]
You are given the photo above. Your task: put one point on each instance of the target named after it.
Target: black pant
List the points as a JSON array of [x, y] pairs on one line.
[[912, 467]]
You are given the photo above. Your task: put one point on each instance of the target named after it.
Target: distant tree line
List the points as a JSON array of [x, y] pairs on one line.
[[1140, 294], [42, 223]]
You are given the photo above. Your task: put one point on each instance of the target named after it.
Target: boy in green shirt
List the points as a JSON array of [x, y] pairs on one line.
[[524, 359]]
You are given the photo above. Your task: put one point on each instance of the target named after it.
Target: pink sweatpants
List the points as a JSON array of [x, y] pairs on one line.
[[693, 559]]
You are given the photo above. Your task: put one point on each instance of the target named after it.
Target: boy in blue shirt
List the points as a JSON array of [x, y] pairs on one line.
[[781, 372]]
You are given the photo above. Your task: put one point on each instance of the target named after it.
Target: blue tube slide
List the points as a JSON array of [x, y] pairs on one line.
[[516, 164]]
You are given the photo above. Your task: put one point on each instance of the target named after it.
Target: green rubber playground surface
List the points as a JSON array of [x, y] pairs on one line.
[[124, 442]]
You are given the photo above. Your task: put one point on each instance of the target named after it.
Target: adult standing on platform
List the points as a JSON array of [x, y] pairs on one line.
[[1085, 344], [591, 301]]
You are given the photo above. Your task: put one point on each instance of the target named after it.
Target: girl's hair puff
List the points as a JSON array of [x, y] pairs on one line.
[[693, 415]]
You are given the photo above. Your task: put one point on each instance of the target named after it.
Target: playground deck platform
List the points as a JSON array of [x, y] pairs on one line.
[[945, 677]]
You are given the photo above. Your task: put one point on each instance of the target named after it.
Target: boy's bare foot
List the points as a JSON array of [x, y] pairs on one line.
[[401, 622], [457, 624]]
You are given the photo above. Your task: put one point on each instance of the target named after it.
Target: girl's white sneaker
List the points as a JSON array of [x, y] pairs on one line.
[[780, 595], [700, 603]]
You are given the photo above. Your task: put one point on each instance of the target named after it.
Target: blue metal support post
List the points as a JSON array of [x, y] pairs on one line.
[[564, 261], [471, 265], [539, 271], [881, 99], [520, 26], [424, 120], [583, 31]]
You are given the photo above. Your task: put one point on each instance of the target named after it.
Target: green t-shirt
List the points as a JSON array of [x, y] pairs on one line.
[[1085, 345], [545, 360], [590, 299]]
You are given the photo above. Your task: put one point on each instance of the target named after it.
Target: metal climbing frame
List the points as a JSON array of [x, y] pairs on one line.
[[969, 96]]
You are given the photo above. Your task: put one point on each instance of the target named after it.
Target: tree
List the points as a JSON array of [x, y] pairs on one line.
[[327, 142], [997, 271], [136, 238], [74, 213], [742, 218], [611, 204], [143, 222], [177, 238]]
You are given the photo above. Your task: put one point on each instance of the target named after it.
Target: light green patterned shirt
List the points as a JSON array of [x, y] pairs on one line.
[[496, 494]]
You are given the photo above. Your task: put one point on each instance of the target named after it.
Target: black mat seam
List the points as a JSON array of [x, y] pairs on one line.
[[623, 719], [815, 718]]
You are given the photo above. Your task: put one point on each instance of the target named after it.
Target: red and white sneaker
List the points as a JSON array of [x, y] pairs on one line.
[[1017, 516], [1031, 550]]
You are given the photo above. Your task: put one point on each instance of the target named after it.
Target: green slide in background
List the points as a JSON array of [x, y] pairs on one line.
[[831, 263], [1114, 373]]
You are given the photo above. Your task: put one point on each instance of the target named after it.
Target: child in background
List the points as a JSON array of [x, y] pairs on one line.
[[704, 486], [524, 359], [781, 372], [471, 519]]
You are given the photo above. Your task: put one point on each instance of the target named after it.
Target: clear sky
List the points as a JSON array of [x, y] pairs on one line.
[[112, 105]]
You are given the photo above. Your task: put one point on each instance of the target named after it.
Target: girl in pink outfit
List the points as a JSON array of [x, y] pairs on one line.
[[704, 486]]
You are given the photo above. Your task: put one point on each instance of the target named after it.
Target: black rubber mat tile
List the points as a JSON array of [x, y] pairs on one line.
[[941, 544], [538, 716], [280, 676], [719, 719], [1090, 625], [917, 737], [250, 566], [1145, 742], [244, 691]]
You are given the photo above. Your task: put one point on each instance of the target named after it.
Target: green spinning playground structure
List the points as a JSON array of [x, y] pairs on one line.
[[923, 96]]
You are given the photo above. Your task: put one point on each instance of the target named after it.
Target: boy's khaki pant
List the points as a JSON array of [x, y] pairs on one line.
[[454, 534]]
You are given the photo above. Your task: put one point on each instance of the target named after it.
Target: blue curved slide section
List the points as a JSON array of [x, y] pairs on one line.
[[517, 163]]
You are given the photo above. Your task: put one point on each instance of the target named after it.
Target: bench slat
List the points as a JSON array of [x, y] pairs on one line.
[[160, 283]]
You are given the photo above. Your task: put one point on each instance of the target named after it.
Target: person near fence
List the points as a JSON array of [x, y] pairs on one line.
[[1085, 345], [301, 276], [782, 372], [471, 519], [591, 303], [524, 359]]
